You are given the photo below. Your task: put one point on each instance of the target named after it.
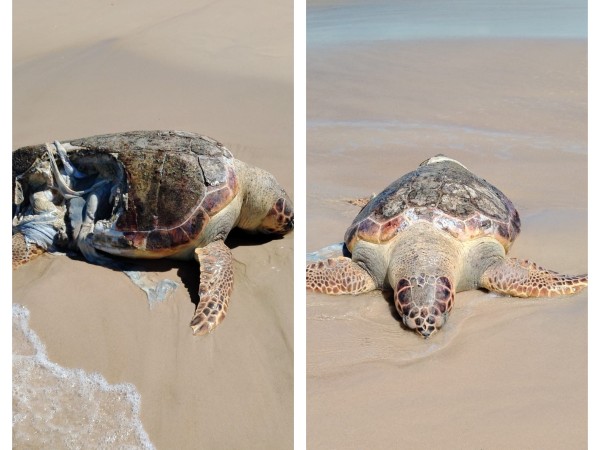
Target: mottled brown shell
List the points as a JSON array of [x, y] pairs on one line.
[[176, 181], [444, 193], [168, 185]]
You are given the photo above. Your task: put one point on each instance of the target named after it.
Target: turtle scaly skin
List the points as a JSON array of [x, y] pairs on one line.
[[432, 233], [145, 194]]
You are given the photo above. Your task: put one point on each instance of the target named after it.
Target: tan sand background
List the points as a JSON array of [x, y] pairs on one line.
[[223, 69], [503, 373]]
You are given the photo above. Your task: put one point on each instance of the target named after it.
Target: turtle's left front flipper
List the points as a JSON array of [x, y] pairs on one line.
[[527, 279], [216, 283]]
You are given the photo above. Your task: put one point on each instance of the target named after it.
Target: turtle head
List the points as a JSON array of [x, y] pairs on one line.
[[280, 218], [266, 206], [424, 302]]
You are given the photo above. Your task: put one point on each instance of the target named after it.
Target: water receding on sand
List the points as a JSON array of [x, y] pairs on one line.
[[438, 136], [56, 407]]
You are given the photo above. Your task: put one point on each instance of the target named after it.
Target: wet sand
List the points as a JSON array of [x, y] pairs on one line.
[[503, 372], [86, 69]]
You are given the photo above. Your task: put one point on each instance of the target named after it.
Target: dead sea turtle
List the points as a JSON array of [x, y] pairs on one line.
[[145, 194], [437, 230]]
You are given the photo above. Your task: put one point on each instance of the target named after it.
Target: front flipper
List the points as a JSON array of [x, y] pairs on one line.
[[337, 276], [527, 279], [216, 283]]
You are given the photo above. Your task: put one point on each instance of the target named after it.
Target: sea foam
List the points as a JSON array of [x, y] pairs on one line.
[[56, 407]]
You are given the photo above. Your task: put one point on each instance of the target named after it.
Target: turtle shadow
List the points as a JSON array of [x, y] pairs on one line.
[[187, 271], [237, 238], [119, 264], [189, 274]]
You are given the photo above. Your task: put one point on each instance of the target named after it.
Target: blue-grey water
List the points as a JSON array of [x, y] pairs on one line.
[[386, 20]]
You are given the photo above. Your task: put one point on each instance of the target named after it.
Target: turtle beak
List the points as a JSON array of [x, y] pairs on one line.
[[289, 226], [425, 333], [280, 219], [287, 216]]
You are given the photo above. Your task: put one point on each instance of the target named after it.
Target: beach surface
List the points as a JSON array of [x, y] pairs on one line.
[[503, 372], [93, 364]]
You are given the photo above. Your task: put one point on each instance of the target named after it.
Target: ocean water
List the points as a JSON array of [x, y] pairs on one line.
[[385, 20], [55, 407]]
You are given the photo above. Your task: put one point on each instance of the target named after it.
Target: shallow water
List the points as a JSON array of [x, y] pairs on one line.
[[336, 23], [57, 407]]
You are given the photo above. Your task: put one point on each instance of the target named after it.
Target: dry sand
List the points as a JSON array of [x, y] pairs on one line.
[[503, 372], [223, 69]]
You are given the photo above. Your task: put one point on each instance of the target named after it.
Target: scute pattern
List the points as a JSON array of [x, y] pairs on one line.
[[444, 194], [158, 167]]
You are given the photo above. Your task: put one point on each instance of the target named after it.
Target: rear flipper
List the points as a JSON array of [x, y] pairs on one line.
[[337, 276], [362, 201], [527, 279], [23, 251]]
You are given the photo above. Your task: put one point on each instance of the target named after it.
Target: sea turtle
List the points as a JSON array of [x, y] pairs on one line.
[[433, 232], [145, 194]]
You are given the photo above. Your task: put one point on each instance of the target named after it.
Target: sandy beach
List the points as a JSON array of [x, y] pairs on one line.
[[135, 375], [503, 372]]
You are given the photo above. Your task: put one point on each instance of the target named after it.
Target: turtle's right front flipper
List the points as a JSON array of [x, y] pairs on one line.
[[216, 284], [526, 279], [339, 275]]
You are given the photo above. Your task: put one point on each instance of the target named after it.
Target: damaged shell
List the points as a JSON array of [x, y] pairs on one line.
[[162, 187]]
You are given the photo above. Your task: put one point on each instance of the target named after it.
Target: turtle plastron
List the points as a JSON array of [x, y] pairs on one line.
[[522, 278], [338, 276], [216, 285]]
